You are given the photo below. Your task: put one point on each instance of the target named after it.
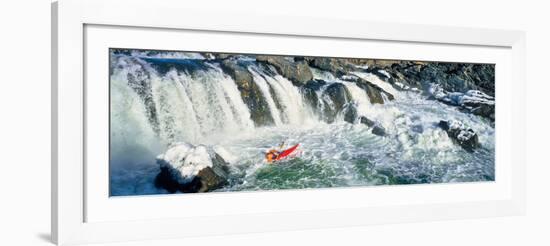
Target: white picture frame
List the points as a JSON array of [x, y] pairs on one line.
[[82, 212]]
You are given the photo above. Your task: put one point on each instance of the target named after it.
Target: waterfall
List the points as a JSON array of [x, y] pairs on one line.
[[172, 98], [284, 94], [195, 107], [213, 101], [264, 88], [132, 138], [239, 106], [359, 97], [323, 101]]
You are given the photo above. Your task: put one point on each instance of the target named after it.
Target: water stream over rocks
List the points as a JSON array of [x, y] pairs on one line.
[[197, 122]]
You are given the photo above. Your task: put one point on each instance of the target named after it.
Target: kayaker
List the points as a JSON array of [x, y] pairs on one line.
[[272, 154]]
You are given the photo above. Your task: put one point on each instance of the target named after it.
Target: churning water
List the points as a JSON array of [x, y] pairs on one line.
[[196, 102]]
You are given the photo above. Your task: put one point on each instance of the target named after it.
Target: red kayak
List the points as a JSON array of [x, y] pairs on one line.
[[287, 152]]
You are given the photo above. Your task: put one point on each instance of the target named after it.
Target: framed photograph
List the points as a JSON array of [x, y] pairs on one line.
[[167, 126]]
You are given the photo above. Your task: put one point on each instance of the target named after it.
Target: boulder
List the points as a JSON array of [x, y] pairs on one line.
[[309, 92], [350, 113], [485, 110], [335, 98], [250, 93], [210, 179], [189, 169], [329, 100], [296, 71], [374, 92], [378, 130], [366, 121], [460, 134]]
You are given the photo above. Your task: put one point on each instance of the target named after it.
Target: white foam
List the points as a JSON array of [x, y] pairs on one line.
[[225, 154], [133, 140]]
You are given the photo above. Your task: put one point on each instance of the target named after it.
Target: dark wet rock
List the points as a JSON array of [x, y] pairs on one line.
[[337, 96], [328, 100], [296, 71], [350, 113], [250, 93], [216, 176], [460, 134], [366, 121], [456, 77], [309, 92], [378, 130], [191, 176], [167, 179], [485, 110], [374, 92], [210, 179]]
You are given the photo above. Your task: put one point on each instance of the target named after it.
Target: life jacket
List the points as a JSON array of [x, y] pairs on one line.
[[271, 155]]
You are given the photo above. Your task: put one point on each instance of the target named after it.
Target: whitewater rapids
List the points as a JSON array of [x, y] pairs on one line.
[[203, 106]]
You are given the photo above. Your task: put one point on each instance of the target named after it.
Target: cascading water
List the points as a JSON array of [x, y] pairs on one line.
[[284, 98], [266, 92], [159, 99]]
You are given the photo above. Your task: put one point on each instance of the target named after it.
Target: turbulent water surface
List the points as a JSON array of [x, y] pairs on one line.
[[157, 100]]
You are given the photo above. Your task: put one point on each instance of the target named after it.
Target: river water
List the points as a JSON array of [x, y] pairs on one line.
[[204, 106]]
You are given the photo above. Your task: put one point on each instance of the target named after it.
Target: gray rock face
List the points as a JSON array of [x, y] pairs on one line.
[[250, 93], [336, 66], [296, 71], [453, 77], [190, 169], [463, 136]]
